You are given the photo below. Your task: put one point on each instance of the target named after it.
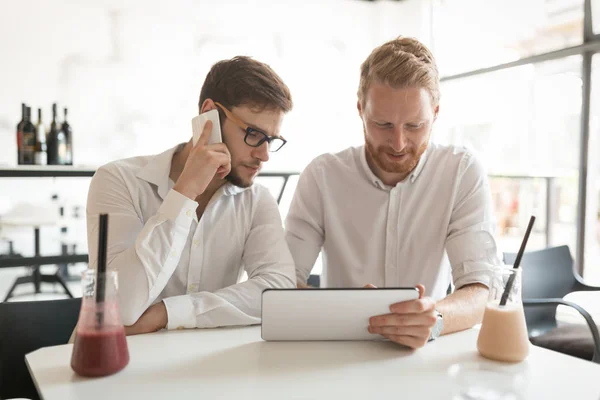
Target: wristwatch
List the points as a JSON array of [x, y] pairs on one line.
[[436, 331]]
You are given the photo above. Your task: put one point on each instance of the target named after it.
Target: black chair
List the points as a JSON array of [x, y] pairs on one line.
[[314, 281], [26, 327], [548, 276]]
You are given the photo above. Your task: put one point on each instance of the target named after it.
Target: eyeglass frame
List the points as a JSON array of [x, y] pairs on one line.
[[249, 130]]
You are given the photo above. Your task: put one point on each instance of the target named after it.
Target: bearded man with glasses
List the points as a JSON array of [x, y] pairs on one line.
[[185, 224]]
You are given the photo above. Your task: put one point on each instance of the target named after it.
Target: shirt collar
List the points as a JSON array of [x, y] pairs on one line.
[[232, 190], [378, 182], [417, 171], [157, 170], [367, 170]]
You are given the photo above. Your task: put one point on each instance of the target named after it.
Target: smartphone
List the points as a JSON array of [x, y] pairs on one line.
[[198, 125]]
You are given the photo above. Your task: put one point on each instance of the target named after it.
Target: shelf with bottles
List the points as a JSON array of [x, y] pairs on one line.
[[37, 145]]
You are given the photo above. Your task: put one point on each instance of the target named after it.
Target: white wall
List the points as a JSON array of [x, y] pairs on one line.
[[131, 72]]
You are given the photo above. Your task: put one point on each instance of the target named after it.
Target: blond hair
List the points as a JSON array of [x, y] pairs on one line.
[[402, 62]]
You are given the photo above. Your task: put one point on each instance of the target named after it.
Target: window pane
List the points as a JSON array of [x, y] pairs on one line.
[[515, 200], [284, 207], [596, 15], [524, 122], [273, 183], [473, 34], [591, 270]]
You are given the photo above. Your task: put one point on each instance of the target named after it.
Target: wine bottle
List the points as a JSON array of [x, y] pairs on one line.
[[66, 128], [28, 139], [41, 154], [19, 132], [57, 145]]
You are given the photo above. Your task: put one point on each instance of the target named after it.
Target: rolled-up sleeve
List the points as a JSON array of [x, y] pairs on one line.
[[470, 242], [268, 263], [144, 254]]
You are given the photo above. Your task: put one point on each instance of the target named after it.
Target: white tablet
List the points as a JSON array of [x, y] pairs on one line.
[[326, 314]]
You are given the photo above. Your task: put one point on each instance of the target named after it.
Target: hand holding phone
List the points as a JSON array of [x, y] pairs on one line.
[[198, 123], [205, 160]]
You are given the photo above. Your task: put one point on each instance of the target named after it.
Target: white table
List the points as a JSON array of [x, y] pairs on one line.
[[236, 364]]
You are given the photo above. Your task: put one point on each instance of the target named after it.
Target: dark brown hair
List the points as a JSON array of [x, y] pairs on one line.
[[244, 81]]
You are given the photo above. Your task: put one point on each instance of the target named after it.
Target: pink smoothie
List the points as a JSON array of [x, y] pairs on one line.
[[100, 353]]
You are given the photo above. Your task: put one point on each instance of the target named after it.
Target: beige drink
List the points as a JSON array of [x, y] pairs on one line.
[[503, 335]]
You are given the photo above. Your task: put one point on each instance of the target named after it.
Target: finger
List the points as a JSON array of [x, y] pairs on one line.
[[221, 152], [423, 305], [224, 170], [427, 319], [223, 167], [219, 147], [370, 286], [222, 174], [408, 341], [221, 160], [421, 289], [205, 135], [416, 331]]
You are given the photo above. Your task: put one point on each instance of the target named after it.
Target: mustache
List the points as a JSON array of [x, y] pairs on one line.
[[390, 150]]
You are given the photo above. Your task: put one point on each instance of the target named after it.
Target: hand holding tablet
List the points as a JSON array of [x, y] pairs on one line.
[[327, 314]]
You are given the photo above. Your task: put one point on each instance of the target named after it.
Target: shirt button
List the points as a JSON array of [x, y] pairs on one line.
[[188, 213], [196, 242], [173, 253]]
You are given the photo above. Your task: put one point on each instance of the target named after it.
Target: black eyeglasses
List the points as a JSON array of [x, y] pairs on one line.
[[254, 137]]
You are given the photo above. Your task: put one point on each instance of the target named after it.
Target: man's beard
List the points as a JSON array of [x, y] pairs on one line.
[[397, 167], [235, 179]]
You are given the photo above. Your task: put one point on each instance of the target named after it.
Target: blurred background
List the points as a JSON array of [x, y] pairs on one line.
[[520, 87]]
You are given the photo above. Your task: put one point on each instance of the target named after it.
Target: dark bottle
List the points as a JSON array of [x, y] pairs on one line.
[[41, 154], [19, 132], [56, 142], [28, 139], [66, 128]]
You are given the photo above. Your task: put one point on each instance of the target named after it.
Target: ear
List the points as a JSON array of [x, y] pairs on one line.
[[359, 107], [207, 105], [435, 112]]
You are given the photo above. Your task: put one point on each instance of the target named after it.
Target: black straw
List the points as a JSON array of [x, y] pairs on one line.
[[511, 279], [101, 271]]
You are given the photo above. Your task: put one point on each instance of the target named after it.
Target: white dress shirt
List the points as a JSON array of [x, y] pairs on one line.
[[394, 236], [162, 252]]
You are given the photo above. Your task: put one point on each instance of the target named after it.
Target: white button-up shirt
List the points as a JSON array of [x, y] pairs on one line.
[[162, 252], [394, 236]]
